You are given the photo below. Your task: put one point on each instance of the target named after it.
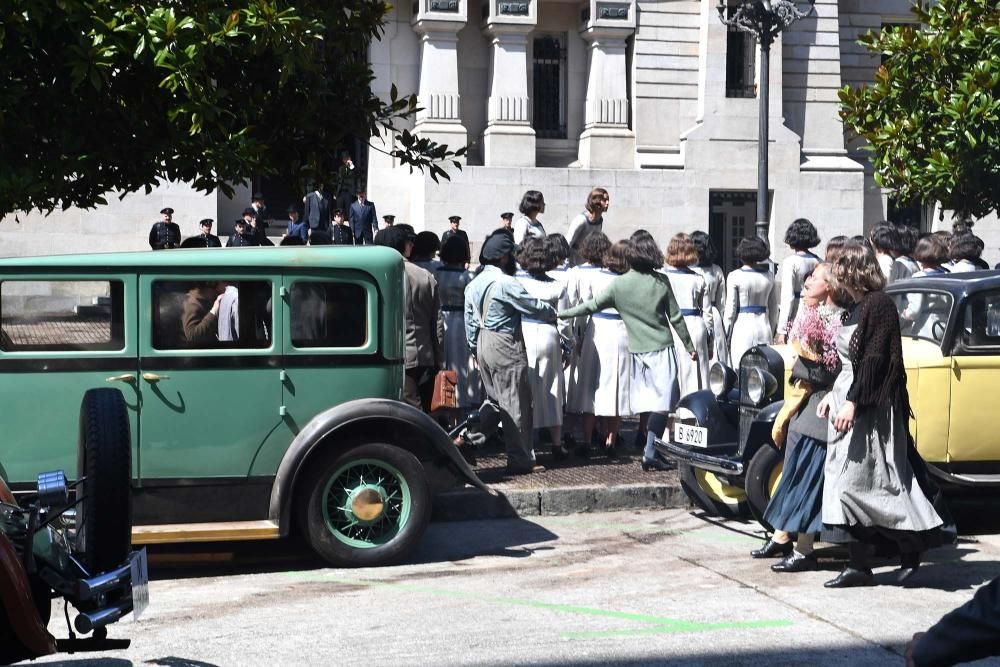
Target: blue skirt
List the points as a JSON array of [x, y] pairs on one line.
[[797, 503]]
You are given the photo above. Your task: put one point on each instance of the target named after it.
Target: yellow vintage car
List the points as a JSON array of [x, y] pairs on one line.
[[721, 439]]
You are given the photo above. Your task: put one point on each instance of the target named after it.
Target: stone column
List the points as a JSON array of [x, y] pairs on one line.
[[607, 140], [437, 23], [509, 140]]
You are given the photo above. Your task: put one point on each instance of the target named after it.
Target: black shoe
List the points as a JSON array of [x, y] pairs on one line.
[[526, 470], [796, 563], [611, 451], [851, 578], [560, 453], [649, 465], [773, 550]]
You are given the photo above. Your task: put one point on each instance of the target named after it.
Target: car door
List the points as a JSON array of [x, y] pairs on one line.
[[331, 349], [208, 376], [62, 334], [974, 433]]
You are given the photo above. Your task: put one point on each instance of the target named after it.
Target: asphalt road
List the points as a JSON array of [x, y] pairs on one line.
[[622, 589]]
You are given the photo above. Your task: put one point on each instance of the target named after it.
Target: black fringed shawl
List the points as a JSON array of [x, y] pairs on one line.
[[876, 352]]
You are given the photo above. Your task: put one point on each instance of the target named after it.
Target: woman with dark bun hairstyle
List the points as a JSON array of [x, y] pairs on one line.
[[904, 266], [751, 300], [590, 221], [646, 303], [599, 379], [452, 279], [548, 345], [715, 286], [801, 237], [532, 203], [870, 492]]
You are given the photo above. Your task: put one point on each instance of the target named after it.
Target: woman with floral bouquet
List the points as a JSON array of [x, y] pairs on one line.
[[796, 506]]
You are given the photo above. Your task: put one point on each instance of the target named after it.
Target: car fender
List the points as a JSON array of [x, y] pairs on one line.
[[760, 430], [19, 606], [348, 421], [721, 419]]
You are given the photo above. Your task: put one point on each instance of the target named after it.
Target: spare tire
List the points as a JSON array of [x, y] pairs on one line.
[[104, 463]]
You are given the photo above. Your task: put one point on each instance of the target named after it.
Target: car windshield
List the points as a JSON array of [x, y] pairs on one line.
[[923, 314]]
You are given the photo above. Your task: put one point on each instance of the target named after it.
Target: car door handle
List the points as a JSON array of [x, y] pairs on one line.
[[154, 377], [127, 377]]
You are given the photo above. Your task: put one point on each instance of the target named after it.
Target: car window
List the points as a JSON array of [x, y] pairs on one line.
[[328, 314], [923, 314], [61, 315], [215, 314], [981, 321]]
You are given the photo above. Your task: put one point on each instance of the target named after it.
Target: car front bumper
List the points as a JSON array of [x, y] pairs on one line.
[[720, 464]]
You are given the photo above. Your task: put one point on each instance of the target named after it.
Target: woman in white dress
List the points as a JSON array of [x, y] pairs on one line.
[[884, 239], [590, 221], [715, 286], [801, 237], [599, 386], [905, 265], [452, 278], [751, 300], [963, 251], [692, 297], [546, 344], [528, 225]]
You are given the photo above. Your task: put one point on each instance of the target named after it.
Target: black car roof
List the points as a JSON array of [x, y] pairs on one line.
[[958, 284]]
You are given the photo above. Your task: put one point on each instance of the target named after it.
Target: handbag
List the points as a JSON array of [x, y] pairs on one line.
[[445, 395]]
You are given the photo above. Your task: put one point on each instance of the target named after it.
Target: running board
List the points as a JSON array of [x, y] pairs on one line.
[[227, 531]]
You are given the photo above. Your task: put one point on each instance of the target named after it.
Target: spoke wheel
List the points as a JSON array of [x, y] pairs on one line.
[[366, 503], [364, 507]]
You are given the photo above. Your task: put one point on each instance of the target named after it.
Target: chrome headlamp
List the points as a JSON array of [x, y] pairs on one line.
[[760, 385], [721, 379]]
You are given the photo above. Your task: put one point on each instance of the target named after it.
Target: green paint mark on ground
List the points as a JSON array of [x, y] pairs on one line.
[[660, 624]]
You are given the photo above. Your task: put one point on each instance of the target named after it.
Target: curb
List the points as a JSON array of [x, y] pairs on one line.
[[471, 504]]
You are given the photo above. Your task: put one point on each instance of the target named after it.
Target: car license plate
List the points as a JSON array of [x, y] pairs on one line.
[[140, 582], [694, 436]]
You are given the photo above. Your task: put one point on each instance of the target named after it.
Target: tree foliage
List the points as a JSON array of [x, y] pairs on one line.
[[932, 116], [102, 95]]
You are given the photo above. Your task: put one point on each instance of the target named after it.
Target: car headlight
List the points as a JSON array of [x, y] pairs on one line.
[[721, 379], [760, 385]]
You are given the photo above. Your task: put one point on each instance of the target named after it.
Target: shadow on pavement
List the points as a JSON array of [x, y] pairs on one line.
[[460, 540]]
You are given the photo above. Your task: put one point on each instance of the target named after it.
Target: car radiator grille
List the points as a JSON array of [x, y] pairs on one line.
[[748, 411]]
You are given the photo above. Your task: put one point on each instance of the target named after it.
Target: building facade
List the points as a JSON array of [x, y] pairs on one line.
[[654, 100]]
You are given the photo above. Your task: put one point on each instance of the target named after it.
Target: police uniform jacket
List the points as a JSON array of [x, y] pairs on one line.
[[164, 234]]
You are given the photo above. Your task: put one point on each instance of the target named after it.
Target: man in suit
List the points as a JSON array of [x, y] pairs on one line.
[[455, 221], [363, 219], [317, 209], [211, 240], [424, 333], [165, 233]]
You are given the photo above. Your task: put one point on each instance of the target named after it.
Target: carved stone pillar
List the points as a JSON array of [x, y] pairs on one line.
[[509, 140], [606, 140], [437, 22]]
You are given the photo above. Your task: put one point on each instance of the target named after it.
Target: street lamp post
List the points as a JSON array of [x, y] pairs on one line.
[[763, 19]]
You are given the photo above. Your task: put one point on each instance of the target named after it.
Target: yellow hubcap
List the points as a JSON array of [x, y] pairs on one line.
[[367, 505]]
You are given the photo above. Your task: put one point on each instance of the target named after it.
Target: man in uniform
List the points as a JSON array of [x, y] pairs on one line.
[[389, 220], [495, 301], [240, 237], [507, 220], [165, 233], [455, 221], [341, 233], [211, 240], [424, 321]]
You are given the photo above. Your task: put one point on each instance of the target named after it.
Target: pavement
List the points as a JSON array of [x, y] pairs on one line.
[[625, 589], [591, 483]]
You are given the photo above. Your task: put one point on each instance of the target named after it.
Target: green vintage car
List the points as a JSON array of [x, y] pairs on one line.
[[263, 387]]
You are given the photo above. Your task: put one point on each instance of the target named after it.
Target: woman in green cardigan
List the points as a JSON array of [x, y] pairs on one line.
[[643, 298]]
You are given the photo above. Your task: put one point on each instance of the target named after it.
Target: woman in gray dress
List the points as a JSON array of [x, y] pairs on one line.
[[870, 492]]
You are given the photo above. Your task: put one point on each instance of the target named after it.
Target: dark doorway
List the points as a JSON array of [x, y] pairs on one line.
[[731, 217]]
